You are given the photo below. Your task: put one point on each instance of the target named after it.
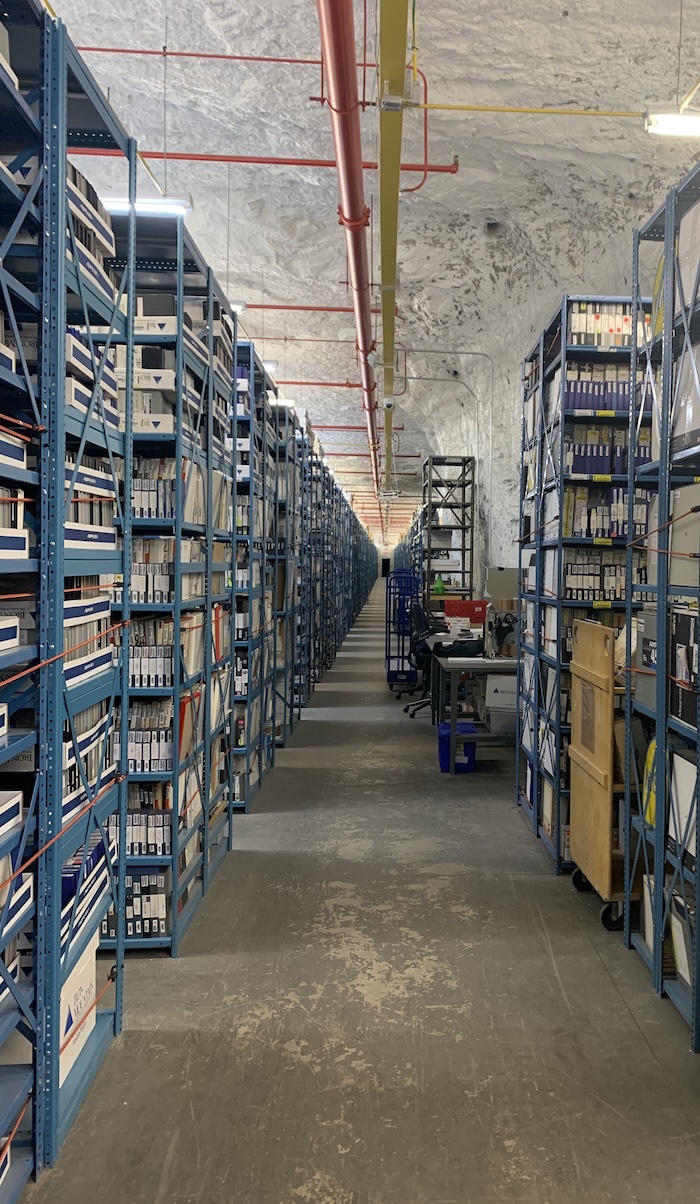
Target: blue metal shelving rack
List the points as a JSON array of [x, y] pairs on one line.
[[661, 878], [302, 640], [287, 565], [265, 425], [316, 534], [168, 265], [49, 282], [546, 615], [307, 563], [256, 497], [408, 553]]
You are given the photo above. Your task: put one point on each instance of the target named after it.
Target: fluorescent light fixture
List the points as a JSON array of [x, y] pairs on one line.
[[152, 206], [283, 402], [270, 365], [673, 125], [238, 306]]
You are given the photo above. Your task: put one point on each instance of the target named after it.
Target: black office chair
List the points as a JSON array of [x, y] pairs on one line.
[[420, 654]]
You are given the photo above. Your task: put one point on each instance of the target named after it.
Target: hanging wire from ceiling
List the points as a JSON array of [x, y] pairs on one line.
[[165, 105], [680, 52], [262, 301], [228, 227]]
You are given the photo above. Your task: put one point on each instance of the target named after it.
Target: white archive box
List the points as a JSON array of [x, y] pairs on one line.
[[6, 1159], [688, 255], [682, 918], [684, 537], [13, 451], [11, 802], [501, 691], [77, 997], [25, 613], [9, 632], [7, 358], [682, 819]]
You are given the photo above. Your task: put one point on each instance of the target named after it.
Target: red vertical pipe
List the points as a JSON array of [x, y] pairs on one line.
[[337, 25]]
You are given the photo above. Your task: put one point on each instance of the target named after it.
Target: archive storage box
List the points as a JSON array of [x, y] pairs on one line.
[[77, 1011]]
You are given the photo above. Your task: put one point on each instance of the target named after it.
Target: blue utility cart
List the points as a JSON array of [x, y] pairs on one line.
[[402, 592]]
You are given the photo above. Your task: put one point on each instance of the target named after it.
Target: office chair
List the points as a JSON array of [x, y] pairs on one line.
[[420, 655]]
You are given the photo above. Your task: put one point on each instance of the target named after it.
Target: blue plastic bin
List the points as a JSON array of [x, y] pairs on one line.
[[465, 754]]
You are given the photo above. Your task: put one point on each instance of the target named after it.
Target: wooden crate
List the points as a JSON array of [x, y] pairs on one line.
[[592, 753]]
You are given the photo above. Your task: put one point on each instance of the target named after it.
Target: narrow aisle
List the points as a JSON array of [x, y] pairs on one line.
[[388, 998]]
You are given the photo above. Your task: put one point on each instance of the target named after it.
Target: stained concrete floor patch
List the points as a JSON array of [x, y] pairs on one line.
[[388, 997]]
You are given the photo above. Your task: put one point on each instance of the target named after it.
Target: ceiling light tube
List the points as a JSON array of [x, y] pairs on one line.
[[156, 206], [673, 124]]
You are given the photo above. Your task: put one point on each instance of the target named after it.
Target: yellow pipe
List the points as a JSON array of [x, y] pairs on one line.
[[388, 447], [551, 112], [393, 27]]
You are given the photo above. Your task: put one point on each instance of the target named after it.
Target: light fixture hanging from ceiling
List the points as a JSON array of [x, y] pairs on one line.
[[678, 122], [151, 206]]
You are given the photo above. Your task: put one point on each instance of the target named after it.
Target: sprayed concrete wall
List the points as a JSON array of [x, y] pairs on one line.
[[540, 204]]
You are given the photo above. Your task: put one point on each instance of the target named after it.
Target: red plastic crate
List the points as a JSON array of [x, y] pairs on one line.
[[469, 608]]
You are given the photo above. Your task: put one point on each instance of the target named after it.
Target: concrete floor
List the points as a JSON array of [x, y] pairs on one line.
[[388, 998]]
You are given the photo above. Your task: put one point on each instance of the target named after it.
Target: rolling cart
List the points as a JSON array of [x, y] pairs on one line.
[[402, 591]]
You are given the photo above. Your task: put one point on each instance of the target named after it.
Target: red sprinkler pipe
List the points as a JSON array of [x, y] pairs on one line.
[[203, 54], [347, 428], [255, 160], [320, 384], [368, 455], [337, 26], [312, 309], [291, 338]]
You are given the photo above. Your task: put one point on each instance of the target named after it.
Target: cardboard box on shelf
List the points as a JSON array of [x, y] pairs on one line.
[[501, 583]]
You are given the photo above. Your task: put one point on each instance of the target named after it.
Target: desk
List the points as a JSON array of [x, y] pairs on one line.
[[451, 668]]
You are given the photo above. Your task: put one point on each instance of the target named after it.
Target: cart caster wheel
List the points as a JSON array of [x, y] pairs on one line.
[[407, 708], [411, 693], [412, 715], [610, 919], [580, 881], [398, 697]]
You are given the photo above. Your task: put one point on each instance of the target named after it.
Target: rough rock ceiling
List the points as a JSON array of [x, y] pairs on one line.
[[540, 204]]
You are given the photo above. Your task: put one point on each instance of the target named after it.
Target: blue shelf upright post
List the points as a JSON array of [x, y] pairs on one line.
[[661, 800]]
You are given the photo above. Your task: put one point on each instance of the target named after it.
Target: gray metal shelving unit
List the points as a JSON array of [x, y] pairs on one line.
[[448, 527]]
